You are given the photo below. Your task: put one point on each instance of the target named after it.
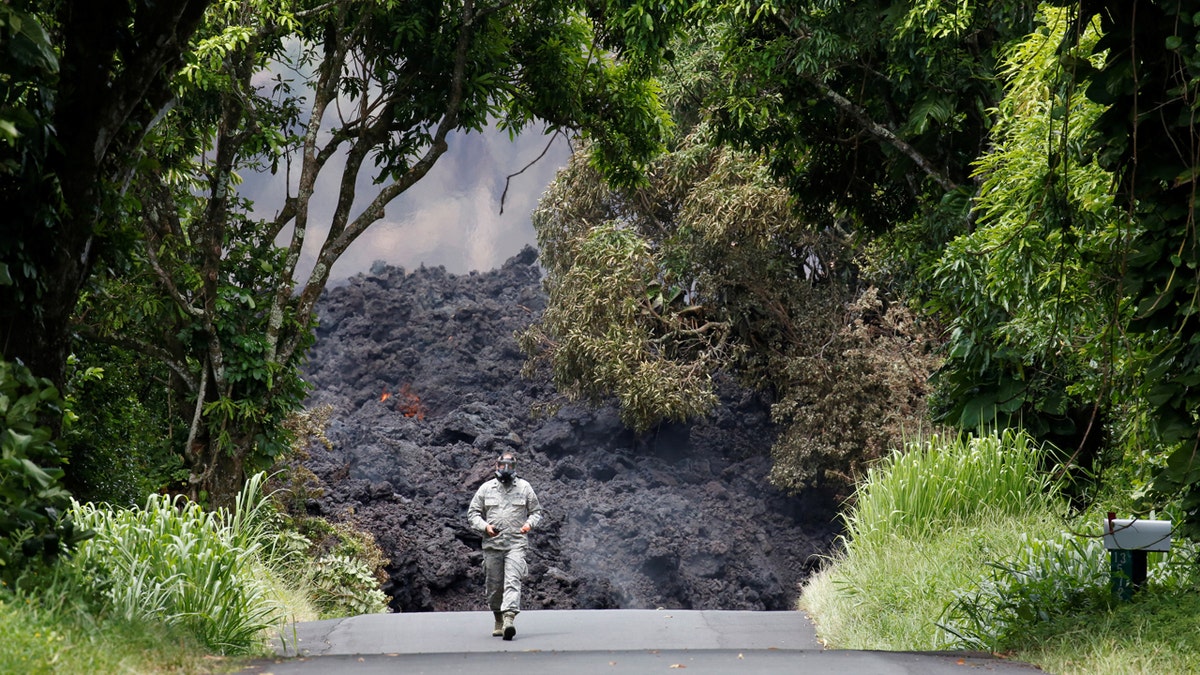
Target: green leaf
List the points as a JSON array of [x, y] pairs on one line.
[[30, 45], [35, 472], [978, 411], [1054, 403], [16, 443], [1183, 466], [1162, 393]]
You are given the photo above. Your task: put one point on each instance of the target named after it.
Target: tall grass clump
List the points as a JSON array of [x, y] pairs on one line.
[[174, 562], [919, 491], [924, 525]]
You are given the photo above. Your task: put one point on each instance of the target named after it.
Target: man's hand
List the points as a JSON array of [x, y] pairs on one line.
[[524, 528], [491, 531]]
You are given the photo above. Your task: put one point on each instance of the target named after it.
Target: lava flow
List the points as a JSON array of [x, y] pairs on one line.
[[408, 403]]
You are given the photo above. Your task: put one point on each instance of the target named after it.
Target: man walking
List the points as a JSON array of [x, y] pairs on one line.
[[504, 510]]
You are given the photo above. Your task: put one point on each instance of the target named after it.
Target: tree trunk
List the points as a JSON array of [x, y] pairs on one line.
[[226, 479], [114, 79]]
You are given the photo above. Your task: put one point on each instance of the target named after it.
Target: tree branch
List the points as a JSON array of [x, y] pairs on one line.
[[796, 28], [297, 208], [167, 219], [885, 134], [142, 347], [509, 177], [333, 247]]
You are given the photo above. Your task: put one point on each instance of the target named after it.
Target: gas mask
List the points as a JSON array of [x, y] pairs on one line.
[[504, 469]]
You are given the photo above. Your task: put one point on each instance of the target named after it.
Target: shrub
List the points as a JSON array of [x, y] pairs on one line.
[[32, 499], [347, 569], [346, 586], [172, 561], [1046, 579], [122, 441], [343, 566]]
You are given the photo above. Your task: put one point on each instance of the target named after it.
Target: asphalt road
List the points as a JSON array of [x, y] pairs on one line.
[[592, 641]]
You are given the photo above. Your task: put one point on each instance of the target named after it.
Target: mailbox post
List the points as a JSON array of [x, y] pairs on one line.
[[1128, 541]]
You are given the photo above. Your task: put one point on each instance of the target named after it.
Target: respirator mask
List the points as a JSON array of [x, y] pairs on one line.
[[504, 469]]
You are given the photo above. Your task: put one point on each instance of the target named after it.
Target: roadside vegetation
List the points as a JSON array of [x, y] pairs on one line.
[[171, 587], [963, 543], [890, 217]]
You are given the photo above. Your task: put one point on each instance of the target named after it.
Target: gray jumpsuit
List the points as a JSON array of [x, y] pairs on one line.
[[507, 508]]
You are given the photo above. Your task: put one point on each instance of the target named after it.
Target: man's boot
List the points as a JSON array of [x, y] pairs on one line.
[[509, 629], [499, 629]]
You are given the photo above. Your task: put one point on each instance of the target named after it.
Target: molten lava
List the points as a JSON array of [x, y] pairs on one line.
[[409, 404]]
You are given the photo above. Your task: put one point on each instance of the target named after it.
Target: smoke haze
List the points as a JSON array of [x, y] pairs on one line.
[[451, 217]]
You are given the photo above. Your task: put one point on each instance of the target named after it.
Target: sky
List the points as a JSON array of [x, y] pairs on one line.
[[451, 217]]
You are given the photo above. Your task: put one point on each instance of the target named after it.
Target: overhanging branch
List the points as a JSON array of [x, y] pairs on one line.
[[884, 134], [334, 246]]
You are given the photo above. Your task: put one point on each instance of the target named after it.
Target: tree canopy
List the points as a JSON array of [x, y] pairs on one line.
[[709, 268], [989, 164], [167, 261], [800, 194]]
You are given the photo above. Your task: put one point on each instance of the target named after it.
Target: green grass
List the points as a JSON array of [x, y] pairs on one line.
[[1157, 632], [892, 594], [52, 631], [45, 633], [173, 588], [167, 588], [938, 539]]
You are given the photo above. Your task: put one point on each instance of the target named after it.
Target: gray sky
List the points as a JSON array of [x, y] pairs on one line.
[[451, 217]]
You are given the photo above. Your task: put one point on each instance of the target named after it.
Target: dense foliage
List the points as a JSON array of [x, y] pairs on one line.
[[33, 524], [83, 84], [1031, 295], [122, 444], [706, 269], [1148, 82], [147, 245], [1072, 299], [960, 159], [722, 262], [871, 111], [990, 560]]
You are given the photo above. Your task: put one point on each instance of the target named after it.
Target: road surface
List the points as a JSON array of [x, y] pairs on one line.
[[592, 641]]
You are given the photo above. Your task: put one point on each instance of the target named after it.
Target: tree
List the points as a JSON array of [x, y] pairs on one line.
[[1149, 81], [85, 82], [82, 84], [1032, 296], [872, 112], [210, 293], [707, 269], [849, 130]]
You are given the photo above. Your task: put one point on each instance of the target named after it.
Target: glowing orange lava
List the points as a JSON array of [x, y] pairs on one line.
[[408, 403]]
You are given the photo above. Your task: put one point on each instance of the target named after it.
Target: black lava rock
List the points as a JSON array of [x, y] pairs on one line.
[[423, 373]]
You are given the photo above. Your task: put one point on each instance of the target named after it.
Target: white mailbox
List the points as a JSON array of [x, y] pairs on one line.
[[1137, 535]]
